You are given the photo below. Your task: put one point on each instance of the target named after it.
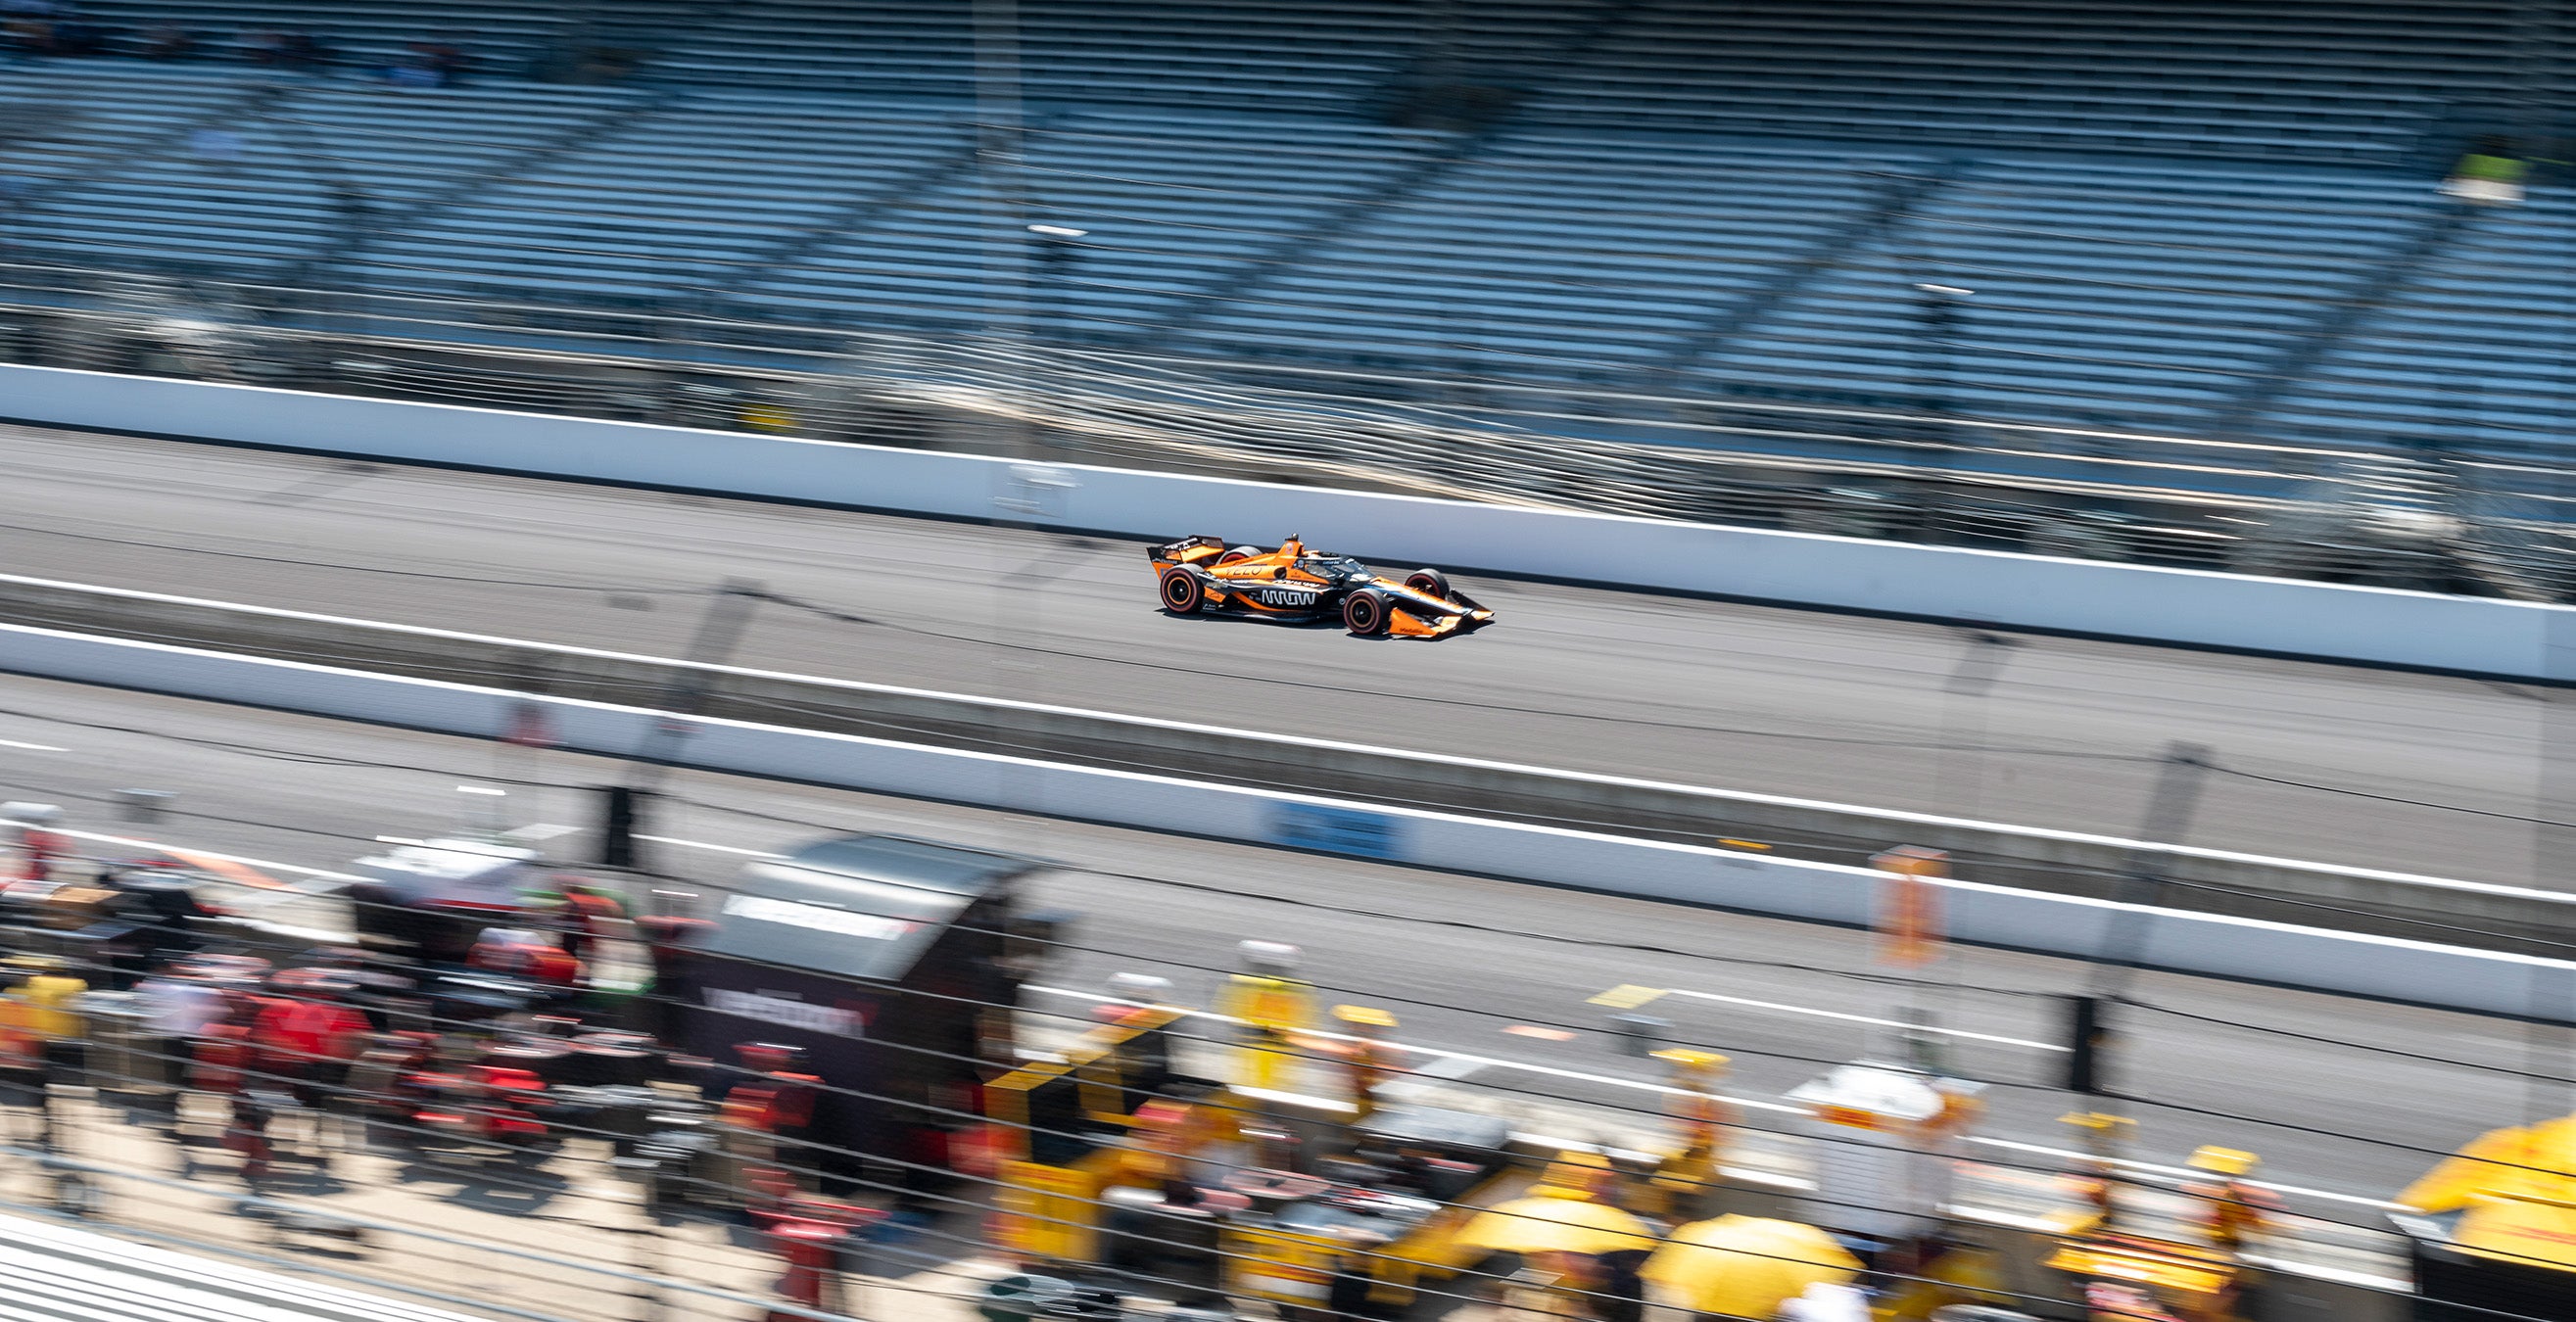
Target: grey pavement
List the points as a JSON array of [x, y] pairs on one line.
[[1844, 708]]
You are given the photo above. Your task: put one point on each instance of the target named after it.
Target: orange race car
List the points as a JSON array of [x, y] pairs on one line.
[[1199, 574]]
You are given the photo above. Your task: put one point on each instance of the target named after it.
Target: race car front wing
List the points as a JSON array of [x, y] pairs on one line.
[[1421, 615]]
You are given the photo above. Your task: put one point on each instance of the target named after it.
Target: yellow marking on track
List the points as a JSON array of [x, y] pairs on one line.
[[1627, 996]]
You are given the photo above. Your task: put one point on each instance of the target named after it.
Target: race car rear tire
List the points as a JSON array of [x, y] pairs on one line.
[[1236, 556], [1429, 582], [1181, 592], [1364, 613]]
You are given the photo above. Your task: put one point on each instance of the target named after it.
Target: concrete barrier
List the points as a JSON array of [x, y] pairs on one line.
[[2369, 625], [2026, 858], [2418, 972]]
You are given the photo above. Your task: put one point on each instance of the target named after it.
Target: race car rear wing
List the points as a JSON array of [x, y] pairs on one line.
[[1182, 551]]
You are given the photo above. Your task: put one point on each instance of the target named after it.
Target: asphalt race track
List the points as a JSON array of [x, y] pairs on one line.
[[1460, 960], [2045, 731]]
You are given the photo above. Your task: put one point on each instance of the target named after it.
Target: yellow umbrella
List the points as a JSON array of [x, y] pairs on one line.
[[2523, 1230], [1747, 1266], [2529, 1162], [2518, 1187], [1556, 1225]]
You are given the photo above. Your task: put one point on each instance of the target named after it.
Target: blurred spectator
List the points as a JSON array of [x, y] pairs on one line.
[[74, 36], [2489, 174], [605, 65], [31, 35], [14, 189], [306, 1042], [427, 64], [303, 51], [166, 41], [48, 994], [23, 825], [1827, 1303], [247, 1134], [1346, 1298], [524, 953], [2106, 1302], [212, 144], [264, 47], [180, 1008], [1620, 1294], [414, 69], [177, 1011], [221, 1061]]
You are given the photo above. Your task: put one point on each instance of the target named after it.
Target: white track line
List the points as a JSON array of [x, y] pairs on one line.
[[1893, 816], [2182, 1172], [262, 864], [701, 844], [1496, 1062], [1867, 1019]]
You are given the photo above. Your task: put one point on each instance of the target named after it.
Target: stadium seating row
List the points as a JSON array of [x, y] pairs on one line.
[[2304, 79], [2119, 296], [2096, 290], [2474, 349], [2295, 78], [1556, 255], [503, 36], [243, 177]]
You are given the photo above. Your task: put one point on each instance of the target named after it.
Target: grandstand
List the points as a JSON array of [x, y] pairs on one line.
[[1297, 56], [1558, 255], [1184, 203], [298, 172], [2201, 217], [674, 206], [2108, 295], [2471, 346], [501, 36], [2289, 77]]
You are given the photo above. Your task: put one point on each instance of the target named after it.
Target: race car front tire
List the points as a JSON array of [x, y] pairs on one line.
[[1364, 613], [1429, 582], [1181, 591]]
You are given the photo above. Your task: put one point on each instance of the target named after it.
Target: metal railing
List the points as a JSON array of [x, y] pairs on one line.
[[390, 1252], [580, 1236]]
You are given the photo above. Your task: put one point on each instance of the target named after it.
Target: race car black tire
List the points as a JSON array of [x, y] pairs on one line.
[[1181, 592], [1429, 582], [1364, 613], [1235, 555]]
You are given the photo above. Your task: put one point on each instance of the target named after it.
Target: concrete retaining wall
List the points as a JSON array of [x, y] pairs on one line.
[[2370, 625], [2188, 942]]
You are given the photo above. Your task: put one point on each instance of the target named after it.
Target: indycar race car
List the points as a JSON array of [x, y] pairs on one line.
[[1204, 574]]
